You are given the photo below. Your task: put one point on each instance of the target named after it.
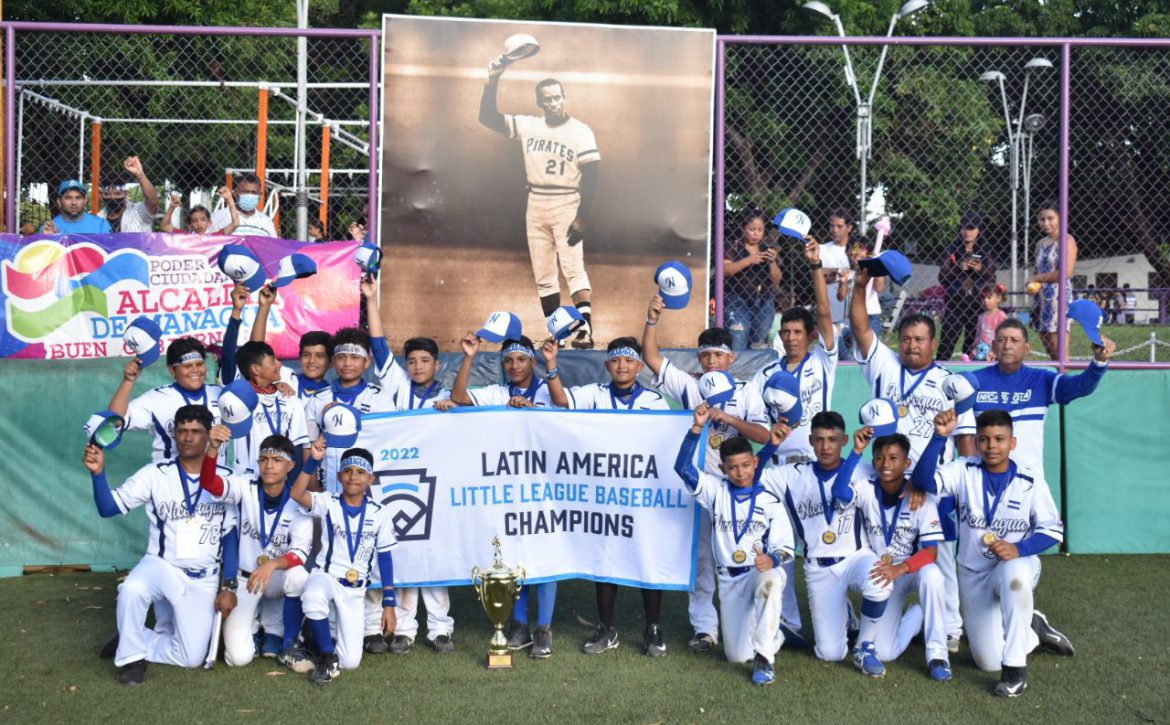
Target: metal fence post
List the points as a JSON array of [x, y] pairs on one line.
[[718, 201]]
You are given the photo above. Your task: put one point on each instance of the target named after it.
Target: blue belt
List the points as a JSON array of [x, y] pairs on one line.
[[826, 561], [734, 570], [352, 585], [200, 573]]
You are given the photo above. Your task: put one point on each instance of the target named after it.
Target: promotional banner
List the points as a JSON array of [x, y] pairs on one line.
[[571, 494], [71, 296]]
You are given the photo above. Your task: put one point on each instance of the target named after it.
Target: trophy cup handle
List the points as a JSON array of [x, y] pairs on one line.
[[477, 582], [521, 577]]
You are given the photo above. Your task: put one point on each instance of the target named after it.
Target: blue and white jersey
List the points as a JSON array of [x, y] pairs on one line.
[[907, 531], [742, 519], [816, 375], [155, 409], [366, 397], [265, 530], [304, 386], [807, 493], [404, 394], [275, 414], [368, 530], [601, 396], [490, 395]]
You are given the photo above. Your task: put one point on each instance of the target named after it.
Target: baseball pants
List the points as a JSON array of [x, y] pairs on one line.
[[438, 605], [323, 594], [897, 627], [828, 599], [548, 219], [946, 565], [238, 648], [192, 601], [791, 609], [701, 600], [749, 610], [997, 606]]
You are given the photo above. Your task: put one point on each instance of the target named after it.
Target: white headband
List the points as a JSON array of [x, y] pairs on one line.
[[358, 461], [350, 348], [275, 452], [623, 352], [716, 348], [517, 347], [190, 357]]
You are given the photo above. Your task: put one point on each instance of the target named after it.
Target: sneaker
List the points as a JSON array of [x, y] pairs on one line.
[[257, 640], [327, 670], [541, 643], [701, 642], [604, 639], [400, 644], [110, 648], [1012, 682], [519, 636], [655, 647], [132, 673], [270, 646], [297, 659], [865, 659], [443, 644], [1051, 638], [583, 340], [792, 637], [762, 672], [375, 644], [940, 670], [953, 643]]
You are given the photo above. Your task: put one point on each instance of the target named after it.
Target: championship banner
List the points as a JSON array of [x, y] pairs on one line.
[[571, 494], [71, 296]]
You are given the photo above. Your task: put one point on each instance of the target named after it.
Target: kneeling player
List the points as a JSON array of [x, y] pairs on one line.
[[1006, 518], [745, 518]]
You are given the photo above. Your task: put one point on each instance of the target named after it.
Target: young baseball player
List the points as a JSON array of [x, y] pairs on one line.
[[623, 361], [275, 414], [354, 529], [182, 562], [315, 350], [907, 541], [1006, 518], [821, 500], [749, 524], [743, 415], [270, 568]]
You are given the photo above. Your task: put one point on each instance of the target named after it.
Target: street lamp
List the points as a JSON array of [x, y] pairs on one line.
[[864, 109], [1033, 123], [1015, 137]]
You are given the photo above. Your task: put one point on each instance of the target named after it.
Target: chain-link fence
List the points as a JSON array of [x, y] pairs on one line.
[[960, 136], [199, 110]]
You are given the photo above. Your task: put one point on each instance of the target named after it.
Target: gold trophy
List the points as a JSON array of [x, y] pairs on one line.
[[498, 588]]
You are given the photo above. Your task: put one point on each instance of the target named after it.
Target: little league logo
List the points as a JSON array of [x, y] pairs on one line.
[[410, 495]]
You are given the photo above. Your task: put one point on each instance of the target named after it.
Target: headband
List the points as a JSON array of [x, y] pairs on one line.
[[350, 348], [517, 347], [275, 452], [623, 352], [716, 348], [190, 357], [360, 461]]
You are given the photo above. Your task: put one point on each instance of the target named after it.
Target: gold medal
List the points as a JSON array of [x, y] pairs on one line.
[[989, 538], [715, 440], [887, 559], [739, 557], [261, 560], [903, 411], [828, 537], [351, 576]]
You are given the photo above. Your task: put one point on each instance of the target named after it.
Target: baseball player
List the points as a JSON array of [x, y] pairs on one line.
[[266, 520], [315, 350], [743, 415], [275, 413], [623, 361], [1006, 518], [182, 562], [562, 166], [354, 530], [745, 517], [907, 541], [911, 379], [821, 499]]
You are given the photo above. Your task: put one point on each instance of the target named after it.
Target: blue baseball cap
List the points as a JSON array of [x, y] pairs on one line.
[[881, 415], [369, 257], [793, 223], [105, 429], [564, 321], [782, 391], [294, 266], [1087, 314], [961, 388], [501, 326], [717, 387], [237, 402], [341, 424], [242, 265], [70, 185], [141, 338], [674, 284], [890, 263]]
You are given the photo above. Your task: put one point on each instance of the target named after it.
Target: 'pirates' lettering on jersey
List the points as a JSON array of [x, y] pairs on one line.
[[553, 155]]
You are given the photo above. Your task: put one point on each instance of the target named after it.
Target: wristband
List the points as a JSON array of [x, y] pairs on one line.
[[552, 374], [816, 265], [389, 598], [311, 466], [775, 559], [651, 323]]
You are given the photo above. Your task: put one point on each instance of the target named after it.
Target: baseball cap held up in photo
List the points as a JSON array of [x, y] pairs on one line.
[[237, 402], [1087, 314], [890, 263], [104, 429], [342, 425], [793, 223], [141, 339], [674, 284], [241, 265], [564, 321], [881, 415], [500, 326], [961, 388], [782, 391], [717, 387]]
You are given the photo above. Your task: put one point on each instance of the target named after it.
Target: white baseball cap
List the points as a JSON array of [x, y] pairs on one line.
[[369, 257], [674, 284], [141, 338], [342, 425], [717, 387], [793, 223], [242, 265], [564, 321], [501, 326], [961, 388], [782, 390], [237, 402], [104, 429], [294, 266], [881, 415]]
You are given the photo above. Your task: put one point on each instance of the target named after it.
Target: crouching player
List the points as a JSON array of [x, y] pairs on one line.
[[907, 542], [1006, 518], [750, 539], [354, 529], [270, 568]]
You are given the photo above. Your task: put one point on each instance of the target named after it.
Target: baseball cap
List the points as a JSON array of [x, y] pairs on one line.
[[70, 185], [294, 266], [717, 387], [881, 415], [236, 405], [961, 388], [564, 321], [104, 429], [971, 220], [674, 284], [141, 338], [500, 326], [793, 223], [342, 425], [369, 257], [242, 265], [889, 263], [1087, 314], [782, 390]]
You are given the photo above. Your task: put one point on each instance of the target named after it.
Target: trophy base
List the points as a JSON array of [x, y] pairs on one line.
[[499, 661]]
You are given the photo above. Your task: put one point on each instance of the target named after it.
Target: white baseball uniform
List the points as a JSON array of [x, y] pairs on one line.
[[816, 375], [537, 392], [601, 396], [181, 566], [366, 532], [365, 397], [275, 414], [155, 409]]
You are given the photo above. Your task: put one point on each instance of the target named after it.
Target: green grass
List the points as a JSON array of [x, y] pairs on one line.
[[1125, 336], [1112, 608]]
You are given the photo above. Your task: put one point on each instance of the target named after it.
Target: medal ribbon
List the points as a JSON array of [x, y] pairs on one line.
[[905, 399], [274, 427], [826, 501], [191, 399], [347, 395], [735, 529], [888, 530], [266, 538], [530, 393], [633, 393], [308, 387], [188, 501], [351, 543], [989, 507], [425, 396]]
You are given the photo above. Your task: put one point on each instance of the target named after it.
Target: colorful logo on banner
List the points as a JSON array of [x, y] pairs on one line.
[[72, 297]]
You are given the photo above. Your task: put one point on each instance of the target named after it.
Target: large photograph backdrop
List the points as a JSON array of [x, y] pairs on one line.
[[453, 196]]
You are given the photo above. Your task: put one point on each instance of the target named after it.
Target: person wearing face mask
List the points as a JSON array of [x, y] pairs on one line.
[[122, 214], [253, 222]]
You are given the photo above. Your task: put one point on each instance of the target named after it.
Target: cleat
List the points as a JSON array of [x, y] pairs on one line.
[[327, 670], [583, 340], [953, 643], [1012, 682], [375, 644], [793, 638], [443, 644], [701, 642], [762, 672], [132, 673], [1051, 638], [865, 659], [655, 647], [519, 636], [603, 640], [541, 643], [297, 659], [270, 646], [940, 670], [401, 644], [110, 648]]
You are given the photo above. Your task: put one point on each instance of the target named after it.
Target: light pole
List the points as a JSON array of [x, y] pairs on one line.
[[1033, 123], [864, 108], [1015, 134]]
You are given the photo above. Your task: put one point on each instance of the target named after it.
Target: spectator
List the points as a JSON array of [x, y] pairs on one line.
[[199, 218], [73, 218], [316, 231], [859, 250], [967, 269], [27, 228], [750, 276], [252, 221], [123, 215], [1128, 303], [835, 258], [1048, 261], [989, 321]]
